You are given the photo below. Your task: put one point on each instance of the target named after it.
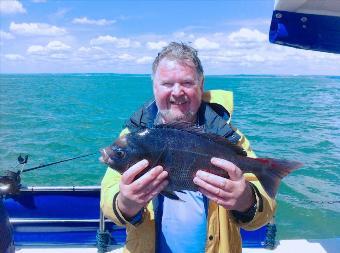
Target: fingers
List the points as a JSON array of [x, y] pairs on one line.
[[234, 172], [155, 191], [129, 175], [149, 184], [225, 202], [135, 195], [150, 179], [206, 181]]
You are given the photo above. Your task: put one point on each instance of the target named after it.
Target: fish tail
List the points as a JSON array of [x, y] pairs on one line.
[[272, 171]]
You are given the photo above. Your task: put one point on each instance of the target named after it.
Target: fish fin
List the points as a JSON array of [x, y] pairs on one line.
[[190, 128], [272, 171], [160, 156], [171, 195]]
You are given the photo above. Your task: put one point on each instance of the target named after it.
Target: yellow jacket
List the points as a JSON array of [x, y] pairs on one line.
[[223, 230]]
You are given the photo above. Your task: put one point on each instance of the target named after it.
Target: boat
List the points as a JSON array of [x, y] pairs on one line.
[[69, 219], [49, 217]]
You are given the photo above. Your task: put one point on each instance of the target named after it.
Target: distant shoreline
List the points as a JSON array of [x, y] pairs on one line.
[[139, 74]]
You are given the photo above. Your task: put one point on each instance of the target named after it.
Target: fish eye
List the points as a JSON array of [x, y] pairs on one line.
[[120, 153]]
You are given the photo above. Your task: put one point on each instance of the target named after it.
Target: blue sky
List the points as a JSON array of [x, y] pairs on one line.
[[45, 36]]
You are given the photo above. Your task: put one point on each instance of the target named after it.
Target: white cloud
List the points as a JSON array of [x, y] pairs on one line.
[[53, 47], [117, 42], [36, 49], [59, 56], [156, 45], [204, 43], [145, 60], [248, 35], [60, 13], [126, 57], [14, 57], [89, 49], [6, 35], [39, 1], [36, 29], [57, 46], [11, 7], [183, 35], [86, 21]]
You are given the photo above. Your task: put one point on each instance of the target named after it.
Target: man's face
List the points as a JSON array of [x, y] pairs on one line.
[[177, 90]]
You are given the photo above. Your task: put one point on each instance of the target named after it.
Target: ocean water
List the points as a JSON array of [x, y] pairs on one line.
[[51, 117]]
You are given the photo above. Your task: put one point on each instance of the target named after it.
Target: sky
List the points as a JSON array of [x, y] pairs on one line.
[[84, 36]]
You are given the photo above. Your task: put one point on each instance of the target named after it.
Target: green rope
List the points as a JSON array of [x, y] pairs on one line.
[[103, 241], [270, 236]]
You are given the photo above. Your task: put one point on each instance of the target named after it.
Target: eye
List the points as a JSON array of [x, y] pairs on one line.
[[120, 154], [167, 84], [188, 84]]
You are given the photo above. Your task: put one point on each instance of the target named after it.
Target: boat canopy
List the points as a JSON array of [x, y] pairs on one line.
[[307, 24]]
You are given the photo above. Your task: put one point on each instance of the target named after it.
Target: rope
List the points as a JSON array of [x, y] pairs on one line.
[[103, 241], [270, 236]]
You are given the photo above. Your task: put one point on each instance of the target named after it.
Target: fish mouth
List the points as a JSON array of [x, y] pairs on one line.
[[105, 157]]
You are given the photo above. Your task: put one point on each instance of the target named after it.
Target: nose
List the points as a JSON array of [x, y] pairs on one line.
[[177, 89]]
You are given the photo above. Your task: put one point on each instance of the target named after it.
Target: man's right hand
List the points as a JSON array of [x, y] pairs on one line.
[[135, 195]]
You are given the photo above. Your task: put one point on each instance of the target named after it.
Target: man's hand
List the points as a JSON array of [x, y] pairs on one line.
[[134, 195], [234, 193]]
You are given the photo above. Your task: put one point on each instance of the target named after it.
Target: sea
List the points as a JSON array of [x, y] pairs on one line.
[[52, 117]]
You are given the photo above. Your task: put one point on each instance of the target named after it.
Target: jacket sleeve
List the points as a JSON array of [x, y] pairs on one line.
[[265, 205]]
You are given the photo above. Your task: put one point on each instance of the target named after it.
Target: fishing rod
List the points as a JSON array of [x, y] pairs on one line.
[[10, 183], [61, 161]]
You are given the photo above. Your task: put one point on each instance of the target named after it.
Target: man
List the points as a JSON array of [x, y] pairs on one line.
[[205, 221]]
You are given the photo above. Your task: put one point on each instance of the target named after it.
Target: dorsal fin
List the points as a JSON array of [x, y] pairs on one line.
[[200, 131]]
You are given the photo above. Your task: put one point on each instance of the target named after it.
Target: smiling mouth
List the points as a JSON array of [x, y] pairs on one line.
[[179, 102]]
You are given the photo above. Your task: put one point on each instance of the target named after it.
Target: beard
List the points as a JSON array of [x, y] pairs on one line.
[[168, 116]]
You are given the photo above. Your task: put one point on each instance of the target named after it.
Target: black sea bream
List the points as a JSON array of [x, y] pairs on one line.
[[182, 150]]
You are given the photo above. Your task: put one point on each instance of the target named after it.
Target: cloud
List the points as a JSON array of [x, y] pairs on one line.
[[86, 21], [145, 60], [156, 45], [59, 56], [60, 13], [117, 42], [36, 49], [6, 35], [126, 57], [39, 1], [36, 29], [14, 57], [248, 35], [203, 43], [11, 7], [53, 47]]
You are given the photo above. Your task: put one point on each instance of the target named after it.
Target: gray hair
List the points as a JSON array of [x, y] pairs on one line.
[[181, 52]]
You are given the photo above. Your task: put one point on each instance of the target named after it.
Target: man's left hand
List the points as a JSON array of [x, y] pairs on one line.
[[234, 193]]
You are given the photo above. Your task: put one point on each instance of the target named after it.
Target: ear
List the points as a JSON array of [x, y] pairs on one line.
[[202, 85]]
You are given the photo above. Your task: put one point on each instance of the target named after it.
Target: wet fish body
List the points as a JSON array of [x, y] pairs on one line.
[[182, 150]]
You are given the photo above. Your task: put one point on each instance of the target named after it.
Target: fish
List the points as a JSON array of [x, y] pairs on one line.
[[182, 149]]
